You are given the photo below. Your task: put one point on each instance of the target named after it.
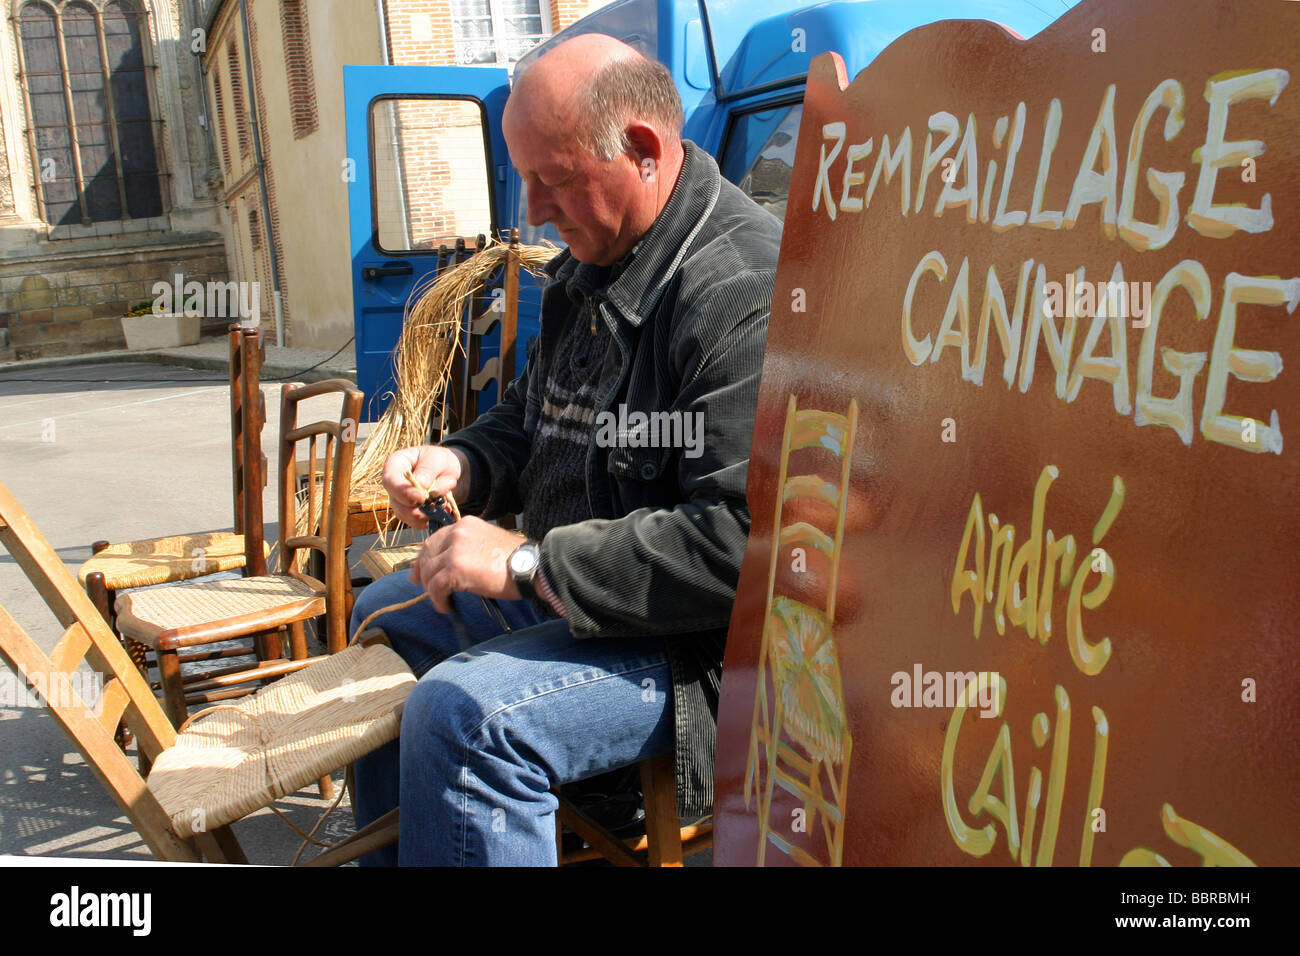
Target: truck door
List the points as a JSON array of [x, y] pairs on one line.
[[426, 166]]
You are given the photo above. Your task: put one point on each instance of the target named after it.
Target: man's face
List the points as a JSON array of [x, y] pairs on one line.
[[590, 202]]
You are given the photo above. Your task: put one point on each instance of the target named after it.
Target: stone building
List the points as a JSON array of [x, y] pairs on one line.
[[273, 77], [108, 178]]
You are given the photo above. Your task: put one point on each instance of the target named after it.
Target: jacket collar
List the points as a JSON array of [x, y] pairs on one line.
[[642, 275]]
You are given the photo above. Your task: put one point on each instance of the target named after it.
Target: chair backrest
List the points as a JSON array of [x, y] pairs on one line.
[[124, 695], [248, 464], [485, 311], [834, 434], [328, 484]]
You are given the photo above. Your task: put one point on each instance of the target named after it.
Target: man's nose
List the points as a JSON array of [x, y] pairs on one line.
[[540, 210]]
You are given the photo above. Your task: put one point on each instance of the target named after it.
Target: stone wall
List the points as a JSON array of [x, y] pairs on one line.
[[71, 305], [64, 288]]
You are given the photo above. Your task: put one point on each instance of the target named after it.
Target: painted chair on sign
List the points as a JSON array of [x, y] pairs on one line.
[[800, 730], [177, 558], [223, 766], [171, 619]]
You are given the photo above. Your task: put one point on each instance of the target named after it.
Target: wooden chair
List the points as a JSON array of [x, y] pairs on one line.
[[276, 742], [666, 841], [177, 558], [171, 619]]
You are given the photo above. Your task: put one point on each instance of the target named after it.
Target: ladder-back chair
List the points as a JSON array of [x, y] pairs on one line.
[[172, 619], [177, 558], [224, 765]]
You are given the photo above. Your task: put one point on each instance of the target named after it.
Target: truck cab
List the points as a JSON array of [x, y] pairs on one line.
[[740, 68]]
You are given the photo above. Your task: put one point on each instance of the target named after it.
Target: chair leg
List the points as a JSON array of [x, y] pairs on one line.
[[220, 846], [298, 641], [139, 654], [662, 826], [102, 598], [267, 645], [173, 689], [380, 833]]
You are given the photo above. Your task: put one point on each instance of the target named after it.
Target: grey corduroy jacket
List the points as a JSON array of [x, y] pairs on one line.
[[662, 555]]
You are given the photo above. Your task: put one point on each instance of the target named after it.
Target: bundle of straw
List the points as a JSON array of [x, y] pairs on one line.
[[426, 352], [428, 348]]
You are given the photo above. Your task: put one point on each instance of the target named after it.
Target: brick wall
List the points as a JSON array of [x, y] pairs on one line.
[[420, 32], [564, 12], [296, 36], [442, 188]]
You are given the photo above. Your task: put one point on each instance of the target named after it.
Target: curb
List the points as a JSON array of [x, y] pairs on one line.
[[270, 370]]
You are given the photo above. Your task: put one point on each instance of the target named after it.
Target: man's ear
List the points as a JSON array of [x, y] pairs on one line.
[[645, 147]]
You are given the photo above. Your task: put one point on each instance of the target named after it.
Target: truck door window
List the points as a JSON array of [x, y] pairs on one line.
[[431, 173], [759, 155]]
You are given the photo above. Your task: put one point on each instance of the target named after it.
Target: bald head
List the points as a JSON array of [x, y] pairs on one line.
[[558, 79], [592, 85], [594, 130]]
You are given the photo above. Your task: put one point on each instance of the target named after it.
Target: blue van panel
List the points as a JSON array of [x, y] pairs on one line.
[[772, 52]]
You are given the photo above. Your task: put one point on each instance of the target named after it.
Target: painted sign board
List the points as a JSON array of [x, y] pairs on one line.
[[1023, 580]]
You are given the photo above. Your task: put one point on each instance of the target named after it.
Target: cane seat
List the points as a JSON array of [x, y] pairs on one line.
[[381, 561], [137, 564], [194, 612], [240, 757]]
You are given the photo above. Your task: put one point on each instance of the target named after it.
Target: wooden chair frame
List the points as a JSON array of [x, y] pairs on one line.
[[335, 535], [666, 841], [333, 596], [248, 465], [126, 696]]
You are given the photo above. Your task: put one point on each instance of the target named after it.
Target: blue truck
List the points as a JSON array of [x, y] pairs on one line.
[[740, 67]]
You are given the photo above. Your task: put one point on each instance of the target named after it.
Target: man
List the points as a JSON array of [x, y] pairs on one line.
[[619, 597]]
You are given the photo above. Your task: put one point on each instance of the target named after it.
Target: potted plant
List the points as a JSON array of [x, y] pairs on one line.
[[144, 329]]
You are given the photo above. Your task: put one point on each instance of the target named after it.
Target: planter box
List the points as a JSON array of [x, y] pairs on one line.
[[160, 331]]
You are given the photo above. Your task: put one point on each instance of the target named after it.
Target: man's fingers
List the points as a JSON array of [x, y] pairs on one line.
[[432, 570], [425, 482], [440, 587]]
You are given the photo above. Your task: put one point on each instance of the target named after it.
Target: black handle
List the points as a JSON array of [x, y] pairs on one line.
[[378, 272]]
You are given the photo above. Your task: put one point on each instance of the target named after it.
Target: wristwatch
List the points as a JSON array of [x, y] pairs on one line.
[[523, 564]]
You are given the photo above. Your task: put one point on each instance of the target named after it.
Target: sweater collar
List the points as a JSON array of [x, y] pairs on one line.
[[635, 282]]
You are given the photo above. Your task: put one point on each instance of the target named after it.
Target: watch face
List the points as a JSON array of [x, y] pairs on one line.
[[523, 560]]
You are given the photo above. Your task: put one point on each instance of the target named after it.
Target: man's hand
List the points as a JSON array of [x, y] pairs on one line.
[[439, 469], [469, 555]]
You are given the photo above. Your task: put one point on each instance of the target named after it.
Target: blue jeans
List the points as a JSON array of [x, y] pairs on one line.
[[490, 727]]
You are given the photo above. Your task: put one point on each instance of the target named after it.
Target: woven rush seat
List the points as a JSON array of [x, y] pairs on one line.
[[135, 564], [806, 672], [156, 614], [381, 561], [240, 757], [368, 497]]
